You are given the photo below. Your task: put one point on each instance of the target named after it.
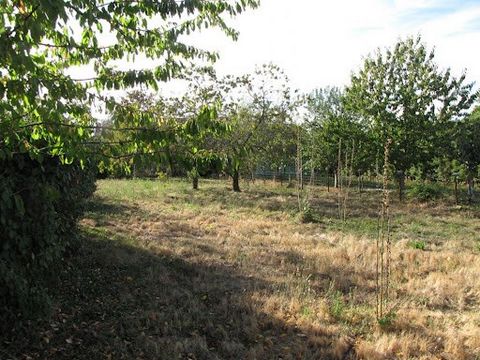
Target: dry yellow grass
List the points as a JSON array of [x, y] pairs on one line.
[[217, 275], [321, 283]]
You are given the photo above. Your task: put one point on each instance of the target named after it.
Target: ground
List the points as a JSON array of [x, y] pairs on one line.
[[165, 272]]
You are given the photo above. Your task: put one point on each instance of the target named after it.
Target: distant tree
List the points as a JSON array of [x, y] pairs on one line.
[[257, 106], [468, 142], [196, 115], [196, 141], [401, 94], [332, 128], [325, 130]]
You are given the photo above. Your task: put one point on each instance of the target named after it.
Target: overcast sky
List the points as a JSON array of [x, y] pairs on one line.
[[321, 42]]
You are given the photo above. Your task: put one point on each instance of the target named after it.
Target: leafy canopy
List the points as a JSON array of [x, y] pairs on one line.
[[401, 94], [44, 109]]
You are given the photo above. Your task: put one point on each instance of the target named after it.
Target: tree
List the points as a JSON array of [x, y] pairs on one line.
[[196, 139], [402, 95], [255, 104], [197, 112], [123, 148], [468, 143]]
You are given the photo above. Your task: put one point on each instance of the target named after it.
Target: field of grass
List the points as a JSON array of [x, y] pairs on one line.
[[165, 272]]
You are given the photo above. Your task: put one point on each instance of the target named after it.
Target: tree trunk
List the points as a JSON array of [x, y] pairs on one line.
[[236, 181], [170, 164], [335, 180], [401, 184], [328, 182], [456, 190], [195, 182], [471, 185]]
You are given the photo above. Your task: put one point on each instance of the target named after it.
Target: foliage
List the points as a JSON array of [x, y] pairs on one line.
[[39, 208], [131, 150], [331, 123], [43, 40]]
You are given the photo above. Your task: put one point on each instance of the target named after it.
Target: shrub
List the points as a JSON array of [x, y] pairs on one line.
[[425, 191], [305, 214], [39, 207]]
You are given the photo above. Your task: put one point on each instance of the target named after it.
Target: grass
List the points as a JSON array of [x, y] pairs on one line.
[[165, 272]]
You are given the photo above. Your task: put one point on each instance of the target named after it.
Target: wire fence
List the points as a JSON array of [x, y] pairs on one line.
[[318, 179]]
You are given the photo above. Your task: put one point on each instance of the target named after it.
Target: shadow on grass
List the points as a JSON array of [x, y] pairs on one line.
[[116, 301]]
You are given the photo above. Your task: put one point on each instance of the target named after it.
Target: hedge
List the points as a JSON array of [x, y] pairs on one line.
[[40, 203]]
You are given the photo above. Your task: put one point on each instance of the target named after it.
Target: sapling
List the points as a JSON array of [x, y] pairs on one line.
[[383, 245]]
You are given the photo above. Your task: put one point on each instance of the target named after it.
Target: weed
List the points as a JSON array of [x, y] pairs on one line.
[[306, 312], [387, 320], [337, 304], [305, 214], [417, 244]]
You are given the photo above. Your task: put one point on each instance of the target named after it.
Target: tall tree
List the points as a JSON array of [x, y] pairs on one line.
[[402, 95]]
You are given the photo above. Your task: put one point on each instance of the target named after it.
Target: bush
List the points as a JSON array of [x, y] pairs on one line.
[[40, 204], [425, 191], [305, 214]]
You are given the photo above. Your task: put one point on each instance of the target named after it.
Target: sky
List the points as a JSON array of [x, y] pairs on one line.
[[319, 43]]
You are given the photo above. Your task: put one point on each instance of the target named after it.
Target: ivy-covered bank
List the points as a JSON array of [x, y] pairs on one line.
[[40, 203]]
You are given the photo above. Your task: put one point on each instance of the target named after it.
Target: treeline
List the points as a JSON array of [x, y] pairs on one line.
[[241, 124]]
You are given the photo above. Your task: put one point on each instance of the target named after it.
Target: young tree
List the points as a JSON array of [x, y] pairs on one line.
[[402, 95]]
